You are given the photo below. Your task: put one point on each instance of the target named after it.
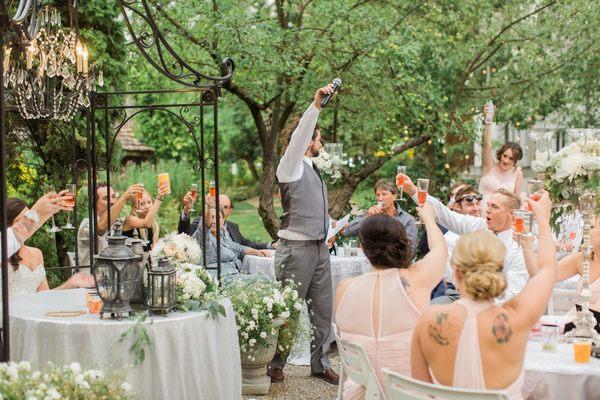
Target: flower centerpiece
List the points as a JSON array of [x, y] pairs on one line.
[[179, 248], [570, 172], [329, 165], [267, 314], [21, 381], [196, 290]]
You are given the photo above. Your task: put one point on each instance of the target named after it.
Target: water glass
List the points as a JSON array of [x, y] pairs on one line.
[[582, 350], [549, 337]]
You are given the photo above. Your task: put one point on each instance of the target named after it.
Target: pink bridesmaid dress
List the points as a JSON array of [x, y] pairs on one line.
[[494, 180], [468, 369], [388, 345]]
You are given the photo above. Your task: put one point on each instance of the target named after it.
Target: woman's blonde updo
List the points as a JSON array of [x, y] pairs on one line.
[[479, 257]]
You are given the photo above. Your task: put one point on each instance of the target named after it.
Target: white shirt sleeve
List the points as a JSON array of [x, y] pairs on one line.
[[291, 166], [13, 244], [453, 221]]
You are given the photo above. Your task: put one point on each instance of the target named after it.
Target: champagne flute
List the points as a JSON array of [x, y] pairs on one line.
[[400, 169], [138, 197], [50, 189], [212, 189], [70, 200], [535, 187], [423, 188], [194, 193]]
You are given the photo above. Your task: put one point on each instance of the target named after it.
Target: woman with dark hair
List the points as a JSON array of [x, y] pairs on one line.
[[503, 173], [380, 309], [26, 273]]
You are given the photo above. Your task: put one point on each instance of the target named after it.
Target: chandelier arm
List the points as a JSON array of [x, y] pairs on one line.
[[186, 71]]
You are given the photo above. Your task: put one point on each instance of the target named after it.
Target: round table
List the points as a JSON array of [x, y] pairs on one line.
[[194, 356], [342, 267], [556, 375]]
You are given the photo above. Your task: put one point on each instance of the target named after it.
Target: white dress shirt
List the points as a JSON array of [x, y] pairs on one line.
[[291, 166], [451, 239], [515, 271], [12, 243]]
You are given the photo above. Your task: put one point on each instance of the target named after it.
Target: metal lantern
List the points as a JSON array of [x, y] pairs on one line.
[[115, 273], [140, 294], [162, 287]]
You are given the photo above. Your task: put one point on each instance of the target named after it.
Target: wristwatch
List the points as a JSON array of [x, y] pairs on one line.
[[33, 216]]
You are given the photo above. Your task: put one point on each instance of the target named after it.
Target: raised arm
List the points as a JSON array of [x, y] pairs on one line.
[[566, 268], [133, 222], [428, 271], [290, 166], [486, 154], [531, 303], [103, 223]]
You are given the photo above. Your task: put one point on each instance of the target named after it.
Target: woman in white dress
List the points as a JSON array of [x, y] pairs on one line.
[[26, 273]]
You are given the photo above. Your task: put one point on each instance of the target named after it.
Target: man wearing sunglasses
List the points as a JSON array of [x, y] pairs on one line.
[[468, 201]]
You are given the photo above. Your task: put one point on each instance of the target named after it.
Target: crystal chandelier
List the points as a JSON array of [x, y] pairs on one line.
[[54, 80]]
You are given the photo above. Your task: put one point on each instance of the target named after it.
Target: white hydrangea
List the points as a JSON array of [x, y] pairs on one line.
[[263, 334], [126, 386], [75, 367]]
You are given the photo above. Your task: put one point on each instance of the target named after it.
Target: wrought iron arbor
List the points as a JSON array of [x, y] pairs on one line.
[[20, 26]]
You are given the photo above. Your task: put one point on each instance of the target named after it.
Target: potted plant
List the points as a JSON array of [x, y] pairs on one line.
[[267, 314]]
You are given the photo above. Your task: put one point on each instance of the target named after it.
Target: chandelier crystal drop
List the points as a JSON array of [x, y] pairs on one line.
[[54, 80]]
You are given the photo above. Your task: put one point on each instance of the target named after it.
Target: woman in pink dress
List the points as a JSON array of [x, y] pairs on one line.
[[380, 308], [462, 344], [503, 173]]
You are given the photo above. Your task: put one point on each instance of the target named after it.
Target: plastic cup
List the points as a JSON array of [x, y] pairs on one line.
[[582, 350], [164, 178]]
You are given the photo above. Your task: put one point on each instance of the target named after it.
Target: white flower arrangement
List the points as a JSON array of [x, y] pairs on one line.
[[570, 171], [179, 248], [329, 165], [265, 310], [196, 290], [21, 381]]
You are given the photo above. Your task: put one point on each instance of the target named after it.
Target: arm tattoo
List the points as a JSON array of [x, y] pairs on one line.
[[501, 329], [439, 331]]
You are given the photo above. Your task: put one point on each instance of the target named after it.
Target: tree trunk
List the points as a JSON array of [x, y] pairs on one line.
[[252, 168], [265, 206]]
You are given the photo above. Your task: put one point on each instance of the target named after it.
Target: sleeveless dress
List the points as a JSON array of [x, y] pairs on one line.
[[468, 368], [389, 346], [24, 280], [494, 180]]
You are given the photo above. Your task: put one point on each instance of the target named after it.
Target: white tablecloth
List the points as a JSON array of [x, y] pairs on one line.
[[556, 375], [341, 268], [194, 357]]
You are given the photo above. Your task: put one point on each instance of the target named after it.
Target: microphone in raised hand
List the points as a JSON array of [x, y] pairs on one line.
[[337, 82]]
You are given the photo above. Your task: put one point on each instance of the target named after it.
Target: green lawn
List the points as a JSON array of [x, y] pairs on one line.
[[245, 214]]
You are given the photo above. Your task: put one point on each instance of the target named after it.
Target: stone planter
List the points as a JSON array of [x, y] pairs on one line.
[[254, 373]]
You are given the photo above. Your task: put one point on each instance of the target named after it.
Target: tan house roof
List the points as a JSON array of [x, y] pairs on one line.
[[130, 143]]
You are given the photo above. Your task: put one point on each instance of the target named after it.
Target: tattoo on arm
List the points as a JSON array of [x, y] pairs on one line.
[[502, 329], [440, 330]]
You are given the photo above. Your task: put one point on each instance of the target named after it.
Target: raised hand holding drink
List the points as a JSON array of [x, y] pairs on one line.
[[423, 189], [519, 222], [70, 200], [164, 179], [50, 189], [138, 197], [535, 188], [194, 193], [212, 189]]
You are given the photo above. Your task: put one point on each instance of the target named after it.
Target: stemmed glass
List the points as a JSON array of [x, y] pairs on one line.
[[194, 193], [70, 200], [519, 224], [423, 188], [138, 197], [212, 189], [54, 228], [535, 188], [400, 169]]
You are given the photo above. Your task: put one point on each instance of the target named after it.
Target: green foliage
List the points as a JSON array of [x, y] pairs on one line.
[[140, 337]]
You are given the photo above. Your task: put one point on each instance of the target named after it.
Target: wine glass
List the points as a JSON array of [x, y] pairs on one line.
[[138, 197], [423, 188], [520, 226], [400, 169], [70, 200], [535, 188], [50, 189], [194, 193], [212, 189]]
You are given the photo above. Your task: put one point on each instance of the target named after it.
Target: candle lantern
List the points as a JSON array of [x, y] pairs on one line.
[[115, 273], [140, 293], [161, 287]]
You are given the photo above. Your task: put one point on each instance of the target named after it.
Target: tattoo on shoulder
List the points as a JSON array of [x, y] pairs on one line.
[[439, 331], [405, 283], [502, 329]]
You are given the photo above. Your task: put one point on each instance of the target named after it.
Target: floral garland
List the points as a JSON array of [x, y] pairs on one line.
[[178, 248], [570, 171], [21, 381], [265, 310]]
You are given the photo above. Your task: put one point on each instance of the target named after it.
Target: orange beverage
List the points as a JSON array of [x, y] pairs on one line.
[[70, 199], [582, 350], [534, 197], [94, 305], [572, 235], [194, 193], [399, 182], [164, 179], [139, 195], [422, 197], [519, 224], [212, 189]]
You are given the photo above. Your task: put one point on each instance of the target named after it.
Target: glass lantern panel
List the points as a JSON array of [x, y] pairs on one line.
[[106, 277]]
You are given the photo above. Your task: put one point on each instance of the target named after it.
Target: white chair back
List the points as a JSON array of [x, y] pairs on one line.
[[356, 366], [401, 387]]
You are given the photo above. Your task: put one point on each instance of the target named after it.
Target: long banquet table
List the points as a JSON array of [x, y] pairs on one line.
[[194, 356]]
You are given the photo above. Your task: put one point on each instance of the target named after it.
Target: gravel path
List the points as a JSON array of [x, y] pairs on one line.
[[298, 384]]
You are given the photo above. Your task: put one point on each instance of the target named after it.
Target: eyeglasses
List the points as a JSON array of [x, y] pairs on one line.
[[470, 197]]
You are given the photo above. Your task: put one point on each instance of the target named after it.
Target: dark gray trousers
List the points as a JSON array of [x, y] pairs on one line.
[[307, 264]]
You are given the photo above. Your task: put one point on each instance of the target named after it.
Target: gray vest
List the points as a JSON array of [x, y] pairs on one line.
[[305, 207]]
